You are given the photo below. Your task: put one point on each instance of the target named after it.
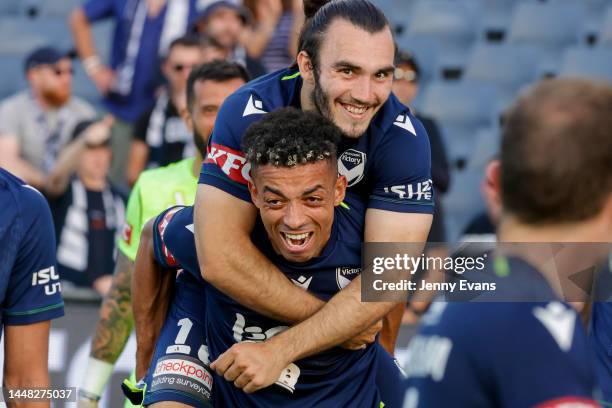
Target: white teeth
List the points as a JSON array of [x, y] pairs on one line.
[[297, 237], [354, 109]]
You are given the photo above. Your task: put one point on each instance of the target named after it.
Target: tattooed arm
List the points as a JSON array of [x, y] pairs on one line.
[[112, 331]]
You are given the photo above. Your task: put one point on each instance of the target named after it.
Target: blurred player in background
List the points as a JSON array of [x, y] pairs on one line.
[[344, 72], [556, 186], [29, 284], [157, 189], [160, 135]]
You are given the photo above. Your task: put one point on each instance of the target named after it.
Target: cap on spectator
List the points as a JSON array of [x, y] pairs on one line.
[[44, 56], [407, 58], [207, 7], [80, 129]]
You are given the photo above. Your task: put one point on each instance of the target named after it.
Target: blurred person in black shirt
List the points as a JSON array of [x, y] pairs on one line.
[[160, 135]]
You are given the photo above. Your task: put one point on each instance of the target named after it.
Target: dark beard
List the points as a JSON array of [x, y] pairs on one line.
[[320, 99], [200, 143]]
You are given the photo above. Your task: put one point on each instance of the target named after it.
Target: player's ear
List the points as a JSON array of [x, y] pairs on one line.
[[340, 190], [491, 189], [306, 68], [184, 112], [253, 191]]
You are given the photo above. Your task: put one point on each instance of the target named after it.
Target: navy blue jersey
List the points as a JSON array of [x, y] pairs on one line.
[[387, 168], [511, 354], [601, 331], [331, 378], [29, 283]]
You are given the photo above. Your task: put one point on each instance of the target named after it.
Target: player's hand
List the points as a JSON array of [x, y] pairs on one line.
[[364, 338], [250, 366]]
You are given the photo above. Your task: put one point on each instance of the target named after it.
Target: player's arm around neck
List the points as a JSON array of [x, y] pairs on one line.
[[345, 315], [230, 262], [26, 352]]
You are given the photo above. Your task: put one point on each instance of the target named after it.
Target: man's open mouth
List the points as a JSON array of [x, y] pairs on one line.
[[296, 241]]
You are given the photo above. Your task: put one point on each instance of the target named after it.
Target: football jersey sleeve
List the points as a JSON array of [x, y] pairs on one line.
[[98, 9], [225, 166], [402, 166], [33, 293], [162, 254], [130, 237]]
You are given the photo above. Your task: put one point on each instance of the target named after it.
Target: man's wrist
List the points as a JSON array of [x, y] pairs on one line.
[[91, 64], [96, 377]]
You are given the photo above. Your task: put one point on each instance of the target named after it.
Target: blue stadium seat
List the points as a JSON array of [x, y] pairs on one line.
[[460, 108], [12, 76], [50, 8], [462, 202], [605, 35], [595, 63], [506, 66], [595, 11], [486, 146], [22, 34], [425, 52], [450, 23], [9, 7], [550, 27]]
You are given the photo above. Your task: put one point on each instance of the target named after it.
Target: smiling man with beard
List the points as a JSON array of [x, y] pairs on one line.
[[36, 124], [343, 71]]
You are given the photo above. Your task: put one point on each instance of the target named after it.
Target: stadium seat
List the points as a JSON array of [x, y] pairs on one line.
[[425, 52], [460, 108], [605, 35], [595, 11], [506, 66], [22, 34], [451, 24], [8, 7], [49, 8], [462, 202], [595, 63], [12, 77], [550, 27], [486, 146]]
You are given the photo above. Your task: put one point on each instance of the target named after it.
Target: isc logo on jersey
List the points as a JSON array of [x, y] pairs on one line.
[[351, 165], [46, 277], [161, 228], [345, 274]]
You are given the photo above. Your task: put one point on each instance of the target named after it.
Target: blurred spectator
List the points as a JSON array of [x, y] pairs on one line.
[[482, 227], [226, 22], [160, 135], [277, 23], [36, 124], [406, 87], [143, 32], [88, 211]]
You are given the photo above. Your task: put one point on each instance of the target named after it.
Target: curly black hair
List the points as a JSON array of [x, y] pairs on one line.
[[289, 137]]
